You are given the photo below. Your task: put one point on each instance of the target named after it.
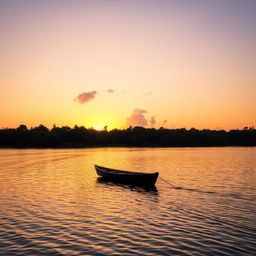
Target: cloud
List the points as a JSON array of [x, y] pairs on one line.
[[152, 121], [85, 97], [165, 122], [137, 118], [147, 93], [110, 91]]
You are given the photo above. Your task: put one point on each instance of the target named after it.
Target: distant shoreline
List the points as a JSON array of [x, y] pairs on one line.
[[120, 146], [81, 137]]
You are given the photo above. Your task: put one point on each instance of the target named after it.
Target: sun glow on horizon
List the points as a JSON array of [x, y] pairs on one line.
[[99, 127]]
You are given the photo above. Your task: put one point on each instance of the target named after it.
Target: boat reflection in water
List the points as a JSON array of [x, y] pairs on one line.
[[133, 187]]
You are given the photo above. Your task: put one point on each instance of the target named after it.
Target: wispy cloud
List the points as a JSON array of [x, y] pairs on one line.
[[137, 118], [164, 123], [85, 97], [152, 121], [110, 91], [147, 93]]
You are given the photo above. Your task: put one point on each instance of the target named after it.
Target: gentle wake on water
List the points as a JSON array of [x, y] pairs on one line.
[[52, 202]]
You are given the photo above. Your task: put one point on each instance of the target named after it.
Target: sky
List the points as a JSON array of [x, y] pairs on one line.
[[150, 63]]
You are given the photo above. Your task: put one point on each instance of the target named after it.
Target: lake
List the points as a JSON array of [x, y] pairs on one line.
[[51, 202]]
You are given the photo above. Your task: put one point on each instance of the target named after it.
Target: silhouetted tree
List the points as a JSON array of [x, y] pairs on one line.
[[63, 136]]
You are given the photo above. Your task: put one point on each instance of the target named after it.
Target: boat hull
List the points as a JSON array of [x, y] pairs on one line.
[[137, 178]]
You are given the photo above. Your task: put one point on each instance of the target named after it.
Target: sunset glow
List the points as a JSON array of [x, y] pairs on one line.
[[99, 127], [120, 63]]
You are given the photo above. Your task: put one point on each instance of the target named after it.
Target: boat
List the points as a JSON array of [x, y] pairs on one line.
[[137, 178]]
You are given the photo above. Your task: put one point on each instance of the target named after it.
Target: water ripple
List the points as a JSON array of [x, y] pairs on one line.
[[52, 203]]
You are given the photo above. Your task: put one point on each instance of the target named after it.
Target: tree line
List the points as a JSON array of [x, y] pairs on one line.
[[65, 136]]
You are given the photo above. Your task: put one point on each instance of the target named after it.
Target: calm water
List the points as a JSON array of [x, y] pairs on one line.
[[51, 202]]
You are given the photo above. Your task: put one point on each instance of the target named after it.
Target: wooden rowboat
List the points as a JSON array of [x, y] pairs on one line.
[[137, 178]]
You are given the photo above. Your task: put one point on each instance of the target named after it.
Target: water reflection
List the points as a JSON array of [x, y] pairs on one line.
[[53, 203], [138, 188]]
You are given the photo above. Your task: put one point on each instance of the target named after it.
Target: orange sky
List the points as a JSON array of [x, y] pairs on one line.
[[168, 63]]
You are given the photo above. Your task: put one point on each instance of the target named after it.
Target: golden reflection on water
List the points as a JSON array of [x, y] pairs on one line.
[[53, 201]]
